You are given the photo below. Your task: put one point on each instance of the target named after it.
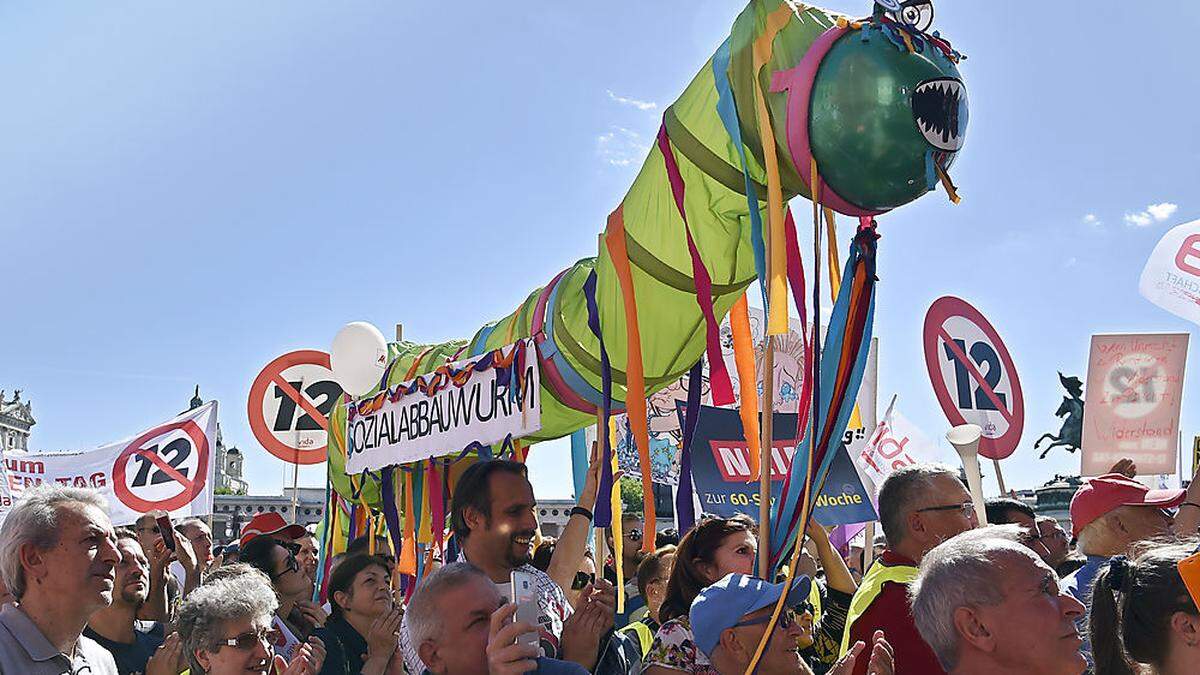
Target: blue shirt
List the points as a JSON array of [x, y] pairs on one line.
[[1079, 585]]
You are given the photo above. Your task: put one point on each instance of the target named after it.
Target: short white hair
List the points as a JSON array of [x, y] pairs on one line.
[[424, 616], [963, 571], [35, 520], [244, 593]]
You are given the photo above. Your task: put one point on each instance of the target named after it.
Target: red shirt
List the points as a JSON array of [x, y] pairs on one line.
[[890, 613]]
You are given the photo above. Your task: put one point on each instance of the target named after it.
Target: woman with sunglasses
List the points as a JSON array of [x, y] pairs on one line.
[[712, 549], [1143, 615], [296, 616], [225, 626]]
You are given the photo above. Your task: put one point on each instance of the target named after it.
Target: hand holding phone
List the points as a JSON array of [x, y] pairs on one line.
[[166, 530], [524, 596]]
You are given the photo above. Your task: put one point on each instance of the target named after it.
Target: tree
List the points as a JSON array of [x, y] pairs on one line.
[[631, 494]]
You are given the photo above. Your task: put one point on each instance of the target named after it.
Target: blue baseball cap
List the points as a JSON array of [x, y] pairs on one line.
[[723, 604]]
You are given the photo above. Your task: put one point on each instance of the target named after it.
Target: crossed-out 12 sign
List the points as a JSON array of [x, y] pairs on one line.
[[164, 468], [289, 406], [973, 375]]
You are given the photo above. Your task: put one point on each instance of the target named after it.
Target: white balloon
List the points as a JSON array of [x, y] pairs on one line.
[[358, 357]]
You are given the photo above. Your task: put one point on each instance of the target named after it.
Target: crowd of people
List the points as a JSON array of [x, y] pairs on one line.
[[942, 594]]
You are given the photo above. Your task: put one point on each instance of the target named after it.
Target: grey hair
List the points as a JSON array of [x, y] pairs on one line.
[[188, 522], [424, 615], [237, 594], [35, 520], [900, 492], [963, 571]]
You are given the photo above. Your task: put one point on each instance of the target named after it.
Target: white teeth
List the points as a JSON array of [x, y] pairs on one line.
[[948, 91]]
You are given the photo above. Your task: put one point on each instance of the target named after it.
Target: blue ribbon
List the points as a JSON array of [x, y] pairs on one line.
[[685, 506], [727, 110], [786, 511], [603, 510]]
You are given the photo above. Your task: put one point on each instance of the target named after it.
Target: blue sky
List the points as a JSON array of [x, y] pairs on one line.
[[188, 191]]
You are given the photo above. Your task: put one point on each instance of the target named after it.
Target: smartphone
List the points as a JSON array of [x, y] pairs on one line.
[[166, 530], [524, 596]]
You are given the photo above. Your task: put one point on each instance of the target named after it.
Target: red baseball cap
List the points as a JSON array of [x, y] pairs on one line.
[[269, 524], [1100, 495]]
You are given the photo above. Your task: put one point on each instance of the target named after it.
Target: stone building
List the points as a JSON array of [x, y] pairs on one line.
[[16, 420], [227, 469]]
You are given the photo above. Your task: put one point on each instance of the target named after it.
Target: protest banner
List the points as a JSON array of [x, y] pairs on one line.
[[167, 467], [897, 443], [1132, 401], [721, 471], [1171, 277], [469, 401]]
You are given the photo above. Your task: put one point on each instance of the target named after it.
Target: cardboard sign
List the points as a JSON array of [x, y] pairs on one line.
[[167, 467], [973, 375], [1132, 400], [403, 425], [289, 406], [721, 471]]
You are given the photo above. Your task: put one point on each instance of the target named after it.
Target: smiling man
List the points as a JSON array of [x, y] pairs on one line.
[[492, 516], [58, 555], [986, 604]]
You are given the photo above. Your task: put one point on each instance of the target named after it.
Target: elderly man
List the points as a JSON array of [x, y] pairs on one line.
[[920, 506], [987, 604], [1109, 514], [460, 625], [58, 554], [730, 617]]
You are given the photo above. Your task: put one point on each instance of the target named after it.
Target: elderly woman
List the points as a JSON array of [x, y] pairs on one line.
[[225, 626]]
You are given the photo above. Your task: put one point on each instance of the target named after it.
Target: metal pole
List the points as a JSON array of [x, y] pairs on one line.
[[767, 416]]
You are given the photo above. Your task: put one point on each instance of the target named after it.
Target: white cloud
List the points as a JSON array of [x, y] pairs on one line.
[[1162, 211], [1142, 219], [1091, 219], [633, 102], [622, 147], [1154, 213]]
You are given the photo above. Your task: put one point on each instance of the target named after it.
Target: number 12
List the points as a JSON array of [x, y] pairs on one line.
[[981, 353]]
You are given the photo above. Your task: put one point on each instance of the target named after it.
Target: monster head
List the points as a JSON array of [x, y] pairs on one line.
[[878, 104]]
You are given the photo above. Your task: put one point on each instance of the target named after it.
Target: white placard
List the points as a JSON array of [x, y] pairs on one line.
[[389, 429]]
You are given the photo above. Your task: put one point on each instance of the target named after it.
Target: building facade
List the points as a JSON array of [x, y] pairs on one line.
[[16, 421], [231, 512]]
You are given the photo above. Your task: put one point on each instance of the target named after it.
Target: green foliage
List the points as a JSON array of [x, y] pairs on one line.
[[631, 495]]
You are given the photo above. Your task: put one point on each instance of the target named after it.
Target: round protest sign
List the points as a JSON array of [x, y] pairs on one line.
[[973, 375], [172, 468], [289, 406]]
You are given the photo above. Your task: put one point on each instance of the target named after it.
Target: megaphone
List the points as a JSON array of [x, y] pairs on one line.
[[965, 439]]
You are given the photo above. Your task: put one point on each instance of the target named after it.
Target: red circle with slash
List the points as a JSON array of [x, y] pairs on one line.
[[191, 486], [959, 338], [298, 432]]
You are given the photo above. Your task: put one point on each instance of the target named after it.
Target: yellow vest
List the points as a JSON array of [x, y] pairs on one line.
[[870, 588], [814, 599], [644, 635]]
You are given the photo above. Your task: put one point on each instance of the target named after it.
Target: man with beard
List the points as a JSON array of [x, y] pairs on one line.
[[631, 557], [57, 556], [115, 627], [492, 516]]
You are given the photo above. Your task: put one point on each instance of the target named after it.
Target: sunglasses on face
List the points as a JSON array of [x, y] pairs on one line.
[[786, 621], [582, 579], [251, 639], [290, 564]]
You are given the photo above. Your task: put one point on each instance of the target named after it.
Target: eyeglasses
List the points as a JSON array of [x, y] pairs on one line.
[[634, 535], [290, 565], [154, 529], [582, 579], [251, 639], [965, 509], [786, 621]]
